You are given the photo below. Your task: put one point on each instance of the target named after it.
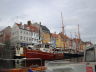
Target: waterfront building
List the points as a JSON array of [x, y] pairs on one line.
[[62, 41], [88, 43], [54, 37], [79, 45], [59, 42], [44, 33], [23, 35], [5, 35]]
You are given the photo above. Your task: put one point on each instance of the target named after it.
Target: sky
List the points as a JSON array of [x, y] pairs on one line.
[[48, 12]]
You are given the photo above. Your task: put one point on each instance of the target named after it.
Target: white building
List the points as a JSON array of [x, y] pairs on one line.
[[24, 34]]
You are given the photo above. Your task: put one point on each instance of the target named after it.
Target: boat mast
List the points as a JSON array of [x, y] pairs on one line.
[[62, 24], [40, 39], [78, 32], [76, 41], [71, 40], [79, 46], [63, 33], [39, 31]]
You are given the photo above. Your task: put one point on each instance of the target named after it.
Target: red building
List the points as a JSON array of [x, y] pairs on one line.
[[5, 34]]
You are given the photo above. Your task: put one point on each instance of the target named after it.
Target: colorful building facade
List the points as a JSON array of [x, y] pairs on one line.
[[24, 34], [44, 33]]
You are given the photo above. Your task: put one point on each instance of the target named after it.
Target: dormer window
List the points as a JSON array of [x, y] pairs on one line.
[[28, 28]]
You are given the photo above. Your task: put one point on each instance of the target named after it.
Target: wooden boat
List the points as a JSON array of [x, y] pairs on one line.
[[41, 68]]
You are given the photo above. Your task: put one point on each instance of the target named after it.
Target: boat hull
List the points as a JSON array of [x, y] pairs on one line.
[[43, 55], [39, 54]]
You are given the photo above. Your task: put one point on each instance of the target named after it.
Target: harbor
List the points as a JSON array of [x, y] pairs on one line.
[[47, 36], [32, 47], [36, 63]]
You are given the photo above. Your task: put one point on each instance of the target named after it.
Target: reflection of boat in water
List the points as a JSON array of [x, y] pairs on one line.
[[21, 65]]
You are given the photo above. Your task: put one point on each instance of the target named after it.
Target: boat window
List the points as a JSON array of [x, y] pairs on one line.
[[29, 48], [46, 46], [90, 55], [18, 48]]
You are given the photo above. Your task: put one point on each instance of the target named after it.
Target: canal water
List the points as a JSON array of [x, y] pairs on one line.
[[58, 65], [52, 66]]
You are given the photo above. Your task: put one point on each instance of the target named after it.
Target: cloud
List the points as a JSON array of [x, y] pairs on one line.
[[75, 12]]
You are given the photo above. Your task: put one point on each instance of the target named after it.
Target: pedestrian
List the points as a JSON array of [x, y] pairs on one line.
[[30, 70]]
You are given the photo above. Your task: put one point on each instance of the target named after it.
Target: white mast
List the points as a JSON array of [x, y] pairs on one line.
[[62, 24]]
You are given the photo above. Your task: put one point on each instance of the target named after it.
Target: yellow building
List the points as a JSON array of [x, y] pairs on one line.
[[61, 40], [45, 37]]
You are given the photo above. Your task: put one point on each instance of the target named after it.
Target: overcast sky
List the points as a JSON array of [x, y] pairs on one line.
[[75, 12]]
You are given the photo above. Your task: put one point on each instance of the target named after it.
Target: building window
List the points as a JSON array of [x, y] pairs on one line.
[[21, 37], [24, 38], [32, 39], [35, 39], [37, 35], [27, 38], [31, 33], [24, 32], [21, 31], [27, 33], [34, 34]]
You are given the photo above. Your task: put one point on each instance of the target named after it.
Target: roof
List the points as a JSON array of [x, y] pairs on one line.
[[45, 29], [63, 36], [77, 40], [54, 35], [42, 27], [32, 28], [28, 27]]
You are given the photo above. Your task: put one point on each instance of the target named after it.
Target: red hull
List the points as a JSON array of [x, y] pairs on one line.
[[43, 55]]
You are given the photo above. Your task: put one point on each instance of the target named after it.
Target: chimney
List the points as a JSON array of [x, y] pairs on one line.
[[21, 23], [54, 32], [29, 23]]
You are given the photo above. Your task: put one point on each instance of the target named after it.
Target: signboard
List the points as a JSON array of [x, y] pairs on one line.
[[89, 69]]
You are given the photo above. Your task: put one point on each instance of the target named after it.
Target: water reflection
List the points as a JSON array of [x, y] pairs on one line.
[[62, 65]]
